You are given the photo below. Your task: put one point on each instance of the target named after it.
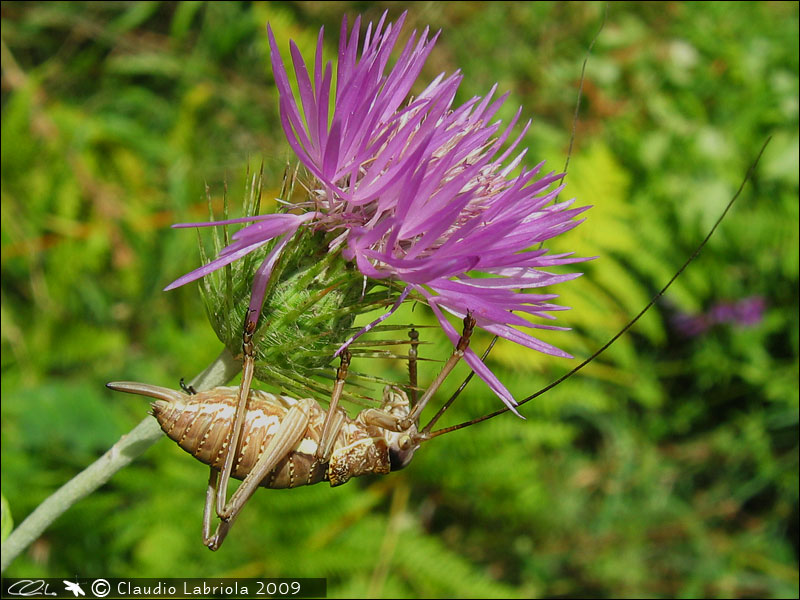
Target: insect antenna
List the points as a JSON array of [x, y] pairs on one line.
[[580, 93], [605, 346]]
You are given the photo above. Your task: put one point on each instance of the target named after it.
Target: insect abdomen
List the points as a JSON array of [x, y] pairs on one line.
[[201, 424]]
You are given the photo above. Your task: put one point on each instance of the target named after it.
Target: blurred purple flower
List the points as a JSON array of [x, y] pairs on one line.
[[722, 312], [750, 311], [690, 325], [416, 190], [744, 313]]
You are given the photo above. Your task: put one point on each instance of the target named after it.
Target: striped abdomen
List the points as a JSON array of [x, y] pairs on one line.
[[201, 424]]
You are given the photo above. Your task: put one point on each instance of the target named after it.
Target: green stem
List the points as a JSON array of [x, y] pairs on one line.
[[129, 446]]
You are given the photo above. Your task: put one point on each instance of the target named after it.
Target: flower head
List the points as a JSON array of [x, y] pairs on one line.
[[414, 190], [747, 312]]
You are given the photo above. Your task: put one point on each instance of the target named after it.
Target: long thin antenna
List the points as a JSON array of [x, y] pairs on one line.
[[580, 92], [632, 321]]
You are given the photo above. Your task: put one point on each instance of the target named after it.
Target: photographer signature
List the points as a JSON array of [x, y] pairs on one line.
[[29, 587]]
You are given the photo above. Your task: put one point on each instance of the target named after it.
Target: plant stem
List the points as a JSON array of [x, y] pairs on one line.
[[129, 446]]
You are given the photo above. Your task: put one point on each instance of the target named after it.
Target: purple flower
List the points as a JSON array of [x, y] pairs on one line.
[[415, 190], [722, 312], [746, 312], [690, 325], [750, 311]]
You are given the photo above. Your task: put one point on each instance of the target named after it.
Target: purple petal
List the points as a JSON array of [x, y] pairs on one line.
[[226, 222], [474, 361], [213, 265], [261, 279]]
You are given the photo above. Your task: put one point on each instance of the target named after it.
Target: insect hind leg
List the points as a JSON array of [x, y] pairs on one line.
[[248, 367], [288, 435], [213, 542]]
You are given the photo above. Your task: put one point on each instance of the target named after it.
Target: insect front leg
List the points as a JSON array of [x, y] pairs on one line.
[[455, 357], [248, 366], [391, 422], [288, 435]]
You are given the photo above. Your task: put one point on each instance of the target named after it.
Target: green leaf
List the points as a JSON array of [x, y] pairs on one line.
[[6, 520]]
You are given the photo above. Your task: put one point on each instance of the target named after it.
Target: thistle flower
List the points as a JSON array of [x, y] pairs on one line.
[[414, 190], [747, 312]]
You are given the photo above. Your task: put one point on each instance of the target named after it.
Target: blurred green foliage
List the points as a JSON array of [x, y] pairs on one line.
[[668, 467]]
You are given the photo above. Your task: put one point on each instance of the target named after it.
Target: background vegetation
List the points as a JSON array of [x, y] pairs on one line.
[[669, 467]]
